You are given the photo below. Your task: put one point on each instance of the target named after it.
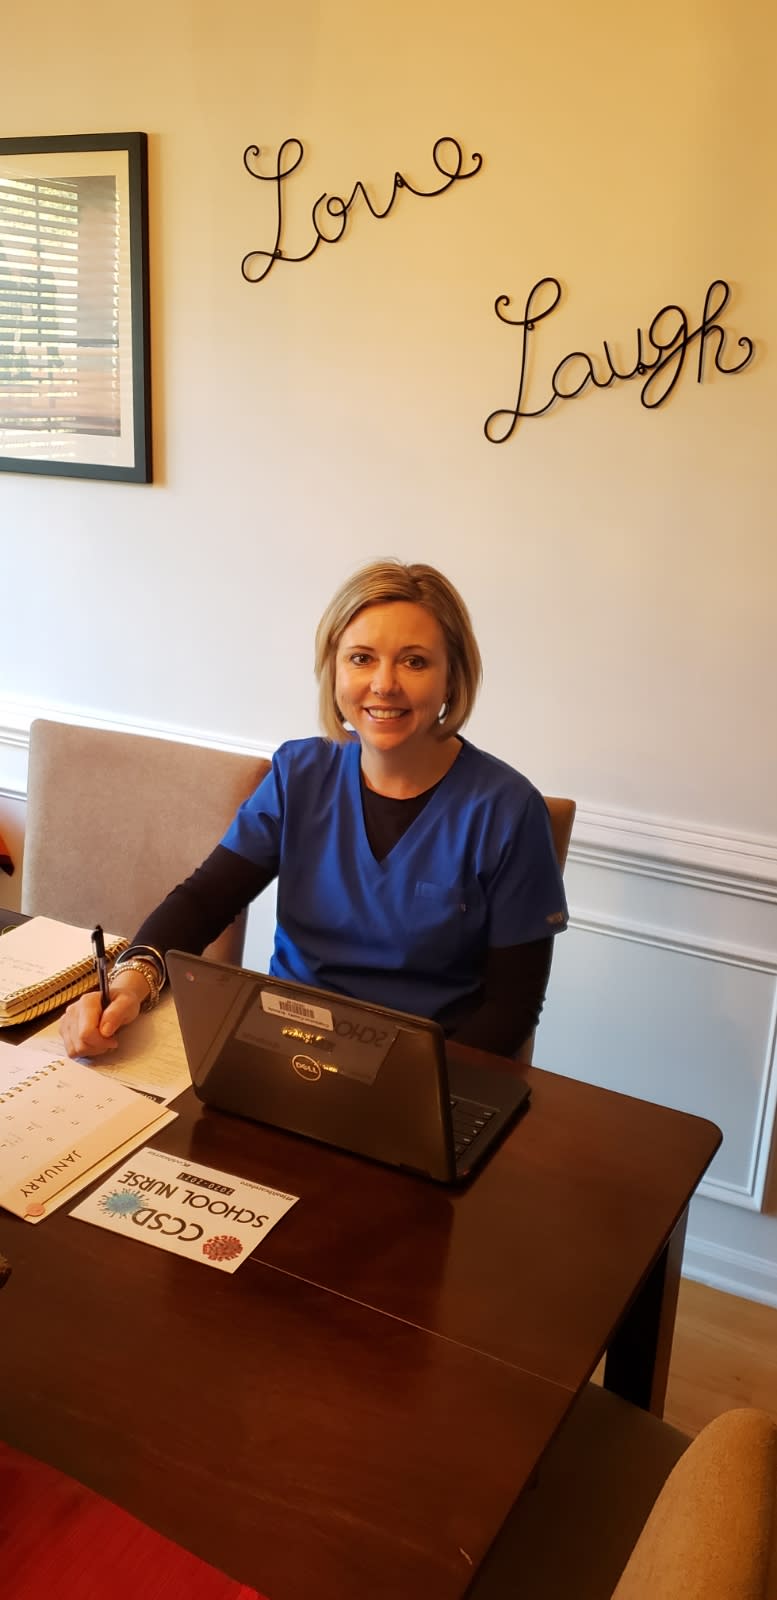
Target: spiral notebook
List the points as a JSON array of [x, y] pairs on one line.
[[61, 1124], [44, 964]]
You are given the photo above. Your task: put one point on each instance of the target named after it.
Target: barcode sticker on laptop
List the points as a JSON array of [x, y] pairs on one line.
[[282, 1005]]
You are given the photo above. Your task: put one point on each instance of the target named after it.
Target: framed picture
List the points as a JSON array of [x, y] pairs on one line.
[[74, 342]]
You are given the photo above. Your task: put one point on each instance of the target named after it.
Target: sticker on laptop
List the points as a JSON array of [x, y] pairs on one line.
[[282, 1005], [318, 1042]]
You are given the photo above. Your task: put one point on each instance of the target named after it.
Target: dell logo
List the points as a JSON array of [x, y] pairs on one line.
[[306, 1068]]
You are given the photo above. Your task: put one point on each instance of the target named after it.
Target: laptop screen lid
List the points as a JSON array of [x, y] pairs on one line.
[[361, 1077]]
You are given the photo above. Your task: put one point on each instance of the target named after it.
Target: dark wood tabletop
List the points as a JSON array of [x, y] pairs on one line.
[[534, 1262], [354, 1412], [11, 919]]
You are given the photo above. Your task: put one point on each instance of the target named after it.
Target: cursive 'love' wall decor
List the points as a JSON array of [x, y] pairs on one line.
[[447, 156]]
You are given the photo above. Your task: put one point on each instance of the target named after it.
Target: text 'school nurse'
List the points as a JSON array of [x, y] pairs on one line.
[[413, 869]]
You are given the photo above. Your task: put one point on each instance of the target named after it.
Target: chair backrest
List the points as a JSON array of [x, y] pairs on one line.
[[645, 1513], [115, 820], [713, 1529], [562, 816]]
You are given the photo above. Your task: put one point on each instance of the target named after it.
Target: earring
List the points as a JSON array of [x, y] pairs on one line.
[[443, 712]]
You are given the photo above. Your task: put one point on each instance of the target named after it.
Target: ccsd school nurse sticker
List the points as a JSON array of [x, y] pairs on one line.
[[187, 1210]]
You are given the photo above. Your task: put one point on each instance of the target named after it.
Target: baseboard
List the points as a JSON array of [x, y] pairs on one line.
[[732, 1271]]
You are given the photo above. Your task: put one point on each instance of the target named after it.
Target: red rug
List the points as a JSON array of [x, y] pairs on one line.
[[60, 1541]]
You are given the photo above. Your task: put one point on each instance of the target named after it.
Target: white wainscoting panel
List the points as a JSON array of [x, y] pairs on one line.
[[655, 1015]]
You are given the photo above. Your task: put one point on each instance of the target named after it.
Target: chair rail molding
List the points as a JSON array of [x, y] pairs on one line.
[[740, 864], [617, 841], [16, 717]]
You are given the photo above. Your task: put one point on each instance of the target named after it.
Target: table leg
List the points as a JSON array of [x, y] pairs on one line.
[[637, 1362]]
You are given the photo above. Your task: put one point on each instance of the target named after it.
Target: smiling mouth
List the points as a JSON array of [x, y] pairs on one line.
[[385, 713]]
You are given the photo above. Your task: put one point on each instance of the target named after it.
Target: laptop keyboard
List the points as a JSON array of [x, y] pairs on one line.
[[469, 1119]]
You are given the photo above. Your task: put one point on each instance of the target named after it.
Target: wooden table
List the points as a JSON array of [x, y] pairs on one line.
[[355, 1411]]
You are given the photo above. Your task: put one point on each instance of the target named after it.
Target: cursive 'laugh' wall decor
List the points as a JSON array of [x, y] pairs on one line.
[[660, 360]]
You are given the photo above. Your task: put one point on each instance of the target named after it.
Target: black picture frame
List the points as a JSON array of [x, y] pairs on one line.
[[75, 382]]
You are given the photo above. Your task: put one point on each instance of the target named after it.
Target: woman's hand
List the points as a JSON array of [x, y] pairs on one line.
[[89, 1031]]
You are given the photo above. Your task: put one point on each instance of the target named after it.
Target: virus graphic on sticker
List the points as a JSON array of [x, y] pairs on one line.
[[121, 1203], [224, 1247]]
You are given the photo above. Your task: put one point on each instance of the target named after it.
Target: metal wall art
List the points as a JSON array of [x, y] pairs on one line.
[[669, 336], [330, 212], [660, 354], [74, 354]]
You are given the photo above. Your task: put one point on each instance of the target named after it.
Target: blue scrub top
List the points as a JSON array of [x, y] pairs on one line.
[[476, 868]]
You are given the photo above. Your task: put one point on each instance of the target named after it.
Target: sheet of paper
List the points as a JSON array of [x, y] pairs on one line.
[[39, 949], [34, 1053], [18, 1061], [185, 1208], [149, 1057]]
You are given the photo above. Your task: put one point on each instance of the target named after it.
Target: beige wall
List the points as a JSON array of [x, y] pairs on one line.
[[620, 563]]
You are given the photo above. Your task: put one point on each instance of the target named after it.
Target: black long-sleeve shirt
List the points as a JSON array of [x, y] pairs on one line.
[[499, 1017]]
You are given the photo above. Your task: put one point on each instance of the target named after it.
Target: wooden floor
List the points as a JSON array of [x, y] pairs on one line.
[[724, 1354]]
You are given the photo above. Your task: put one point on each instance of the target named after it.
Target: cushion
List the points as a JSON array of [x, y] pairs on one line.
[[712, 1531], [60, 1540]]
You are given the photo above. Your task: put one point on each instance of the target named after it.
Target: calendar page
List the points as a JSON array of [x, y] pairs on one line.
[[58, 1119]]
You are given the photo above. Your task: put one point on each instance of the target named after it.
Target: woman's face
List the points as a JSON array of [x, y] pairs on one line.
[[391, 676]]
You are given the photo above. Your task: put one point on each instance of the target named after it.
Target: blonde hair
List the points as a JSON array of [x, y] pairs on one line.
[[379, 584]]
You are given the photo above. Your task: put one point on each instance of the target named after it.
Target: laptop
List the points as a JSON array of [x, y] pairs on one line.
[[367, 1079]]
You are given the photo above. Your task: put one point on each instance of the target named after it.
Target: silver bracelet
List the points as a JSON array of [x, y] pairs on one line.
[[148, 971], [145, 952]]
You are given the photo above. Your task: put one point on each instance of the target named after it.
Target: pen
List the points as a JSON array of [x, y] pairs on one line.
[[101, 965]]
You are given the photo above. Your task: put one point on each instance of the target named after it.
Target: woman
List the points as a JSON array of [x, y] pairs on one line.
[[414, 870]]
